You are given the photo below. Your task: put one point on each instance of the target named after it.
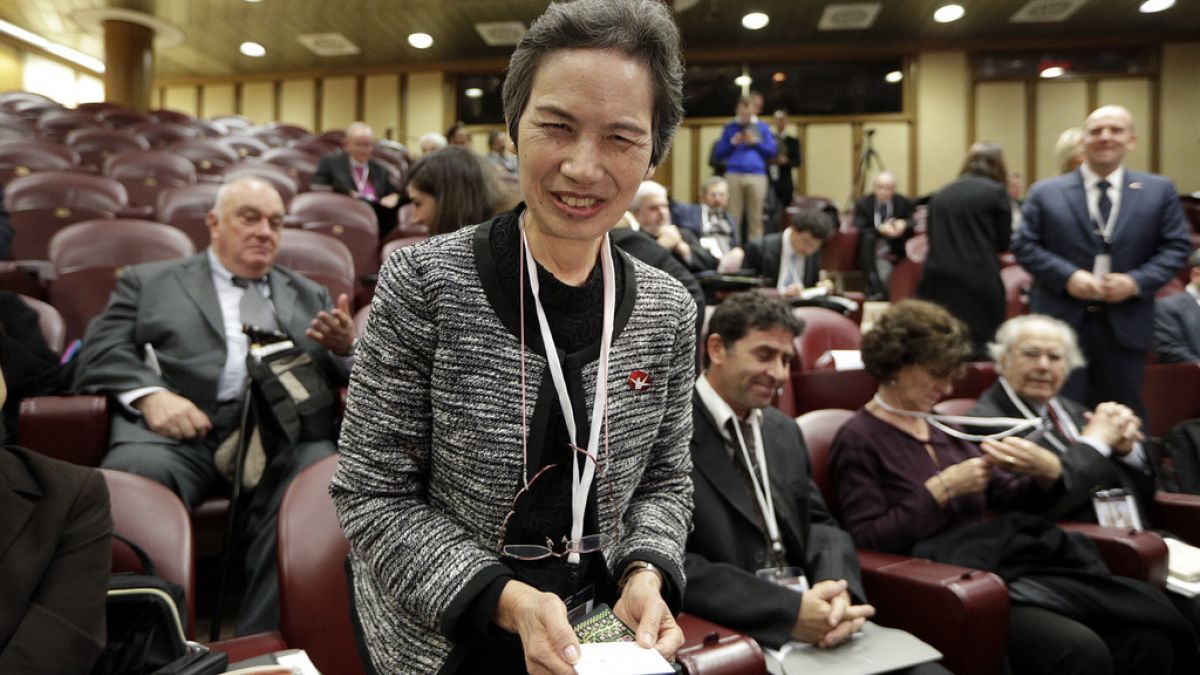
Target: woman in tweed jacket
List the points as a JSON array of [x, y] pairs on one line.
[[454, 445]]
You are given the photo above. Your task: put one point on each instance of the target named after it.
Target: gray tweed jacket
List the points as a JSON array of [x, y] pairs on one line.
[[431, 441]]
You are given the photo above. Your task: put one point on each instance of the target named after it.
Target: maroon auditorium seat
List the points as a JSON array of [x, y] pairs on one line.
[[185, 208], [210, 156], [1171, 394], [50, 322], [121, 118], [903, 282], [15, 129], [88, 256], [145, 173], [315, 146], [162, 135], [345, 218], [56, 125], [824, 329], [272, 173], [95, 146], [321, 258], [41, 204], [21, 158], [151, 516], [244, 146], [171, 117], [279, 135], [299, 165]]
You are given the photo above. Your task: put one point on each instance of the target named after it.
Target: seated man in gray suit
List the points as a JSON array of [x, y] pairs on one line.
[[772, 564], [170, 349], [1177, 321]]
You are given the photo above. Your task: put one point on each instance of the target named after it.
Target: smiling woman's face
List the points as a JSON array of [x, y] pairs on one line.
[[584, 140]]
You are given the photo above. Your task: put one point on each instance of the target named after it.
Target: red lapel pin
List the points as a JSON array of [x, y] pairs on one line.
[[639, 380]]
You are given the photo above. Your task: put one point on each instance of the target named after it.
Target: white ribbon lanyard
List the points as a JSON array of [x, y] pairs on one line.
[[1029, 414], [580, 484], [1010, 426], [360, 184], [762, 489]]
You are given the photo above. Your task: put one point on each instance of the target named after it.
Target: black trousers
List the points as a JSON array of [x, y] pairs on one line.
[[1113, 373], [187, 469], [1041, 641]]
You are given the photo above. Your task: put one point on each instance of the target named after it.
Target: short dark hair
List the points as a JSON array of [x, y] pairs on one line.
[[915, 332], [742, 312], [814, 221], [987, 160], [460, 182], [641, 29]]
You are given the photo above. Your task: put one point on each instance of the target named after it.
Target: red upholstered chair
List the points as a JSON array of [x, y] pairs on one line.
[[244, 146], [207, 129], [121, 118], [15, 129], [97, 107], [346, 218], [49, 321], [1169, 393], [88, 256], [56, 125], [185, 209], [235, 124], [978, 377], [33, 110], [905, 277], [960, 611], [316, 147], [10, 99], [95, 146], [272, 173], [210, 156], [145, 173], [171, 117], [299, 165], [1016, 286], [824, 329], [21, 158], [42, 204], [319, 257], [151, 516], [162, 136], [335, 136], [821, 389]]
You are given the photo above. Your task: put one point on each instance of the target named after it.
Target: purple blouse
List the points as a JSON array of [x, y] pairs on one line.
[[879, 473]]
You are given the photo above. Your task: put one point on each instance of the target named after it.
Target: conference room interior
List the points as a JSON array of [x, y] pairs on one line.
[[867, 87]]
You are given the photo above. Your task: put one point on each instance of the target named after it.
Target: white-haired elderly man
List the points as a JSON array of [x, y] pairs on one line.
[[652, 211], [1093, 452]]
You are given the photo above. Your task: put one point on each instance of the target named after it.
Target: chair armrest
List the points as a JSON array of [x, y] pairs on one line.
[[249, 646], [962, 612], [1137, 555], [710, 649], [1178, 514], [71, 428]]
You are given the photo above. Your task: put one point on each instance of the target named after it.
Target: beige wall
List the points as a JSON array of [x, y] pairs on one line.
[[381, 104], [424, 106], [339, 102], [1179, 106], [182, 98], [10, 68], [218, 99], [942, 82], [1000, 118], [297, 103], [258, 101], [830, 158]]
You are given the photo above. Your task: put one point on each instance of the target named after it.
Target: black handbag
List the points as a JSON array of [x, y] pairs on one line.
[[145, 619]]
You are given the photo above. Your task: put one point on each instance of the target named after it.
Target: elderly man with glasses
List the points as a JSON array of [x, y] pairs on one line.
[[1094, 452]]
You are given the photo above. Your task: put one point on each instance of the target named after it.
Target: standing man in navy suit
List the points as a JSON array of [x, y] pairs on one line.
[[1099, 242]]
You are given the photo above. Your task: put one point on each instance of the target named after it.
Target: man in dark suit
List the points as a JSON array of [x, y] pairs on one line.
[[354, 173], [884, 222], [787, 159], [1177, 321], [1099, 242], [170, 349], [709, 220], [652, 211], [791, 260], [1034, 354], [55, 550], [745, 565]]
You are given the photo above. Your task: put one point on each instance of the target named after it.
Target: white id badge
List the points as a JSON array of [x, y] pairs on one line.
[[1117, 508], [788, 577], [1101, 265]]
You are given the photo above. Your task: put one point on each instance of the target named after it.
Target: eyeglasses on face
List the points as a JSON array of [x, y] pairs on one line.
[[1034, 355]]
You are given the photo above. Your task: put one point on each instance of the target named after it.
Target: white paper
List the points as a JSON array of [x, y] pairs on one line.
[[620, 658], [842, 359]]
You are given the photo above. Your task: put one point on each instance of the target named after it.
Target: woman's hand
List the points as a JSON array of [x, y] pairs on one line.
[[1026, 458], [641, 606], [967, 477], [541, 620]]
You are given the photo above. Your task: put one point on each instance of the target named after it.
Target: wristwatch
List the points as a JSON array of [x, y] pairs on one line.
[[635, 567]]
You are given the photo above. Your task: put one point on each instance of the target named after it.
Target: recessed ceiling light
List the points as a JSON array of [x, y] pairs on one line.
[[1152, 6], [948, 13], [755, 20], [894, 76], [252, 49], [1051, 72], [742, 80], [421, 40], [779, 77], [474, 92], [254, 1]]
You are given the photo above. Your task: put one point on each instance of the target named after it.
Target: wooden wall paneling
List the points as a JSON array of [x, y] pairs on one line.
[[218, 99], [258, 101], [424, 107], [381, 104], [1000, 118], [1060, 106], [1135, 94], [831, 158], [1179, 133], [184, 98], [339, 102], [683, 165], [942, 93], [297, 103]]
